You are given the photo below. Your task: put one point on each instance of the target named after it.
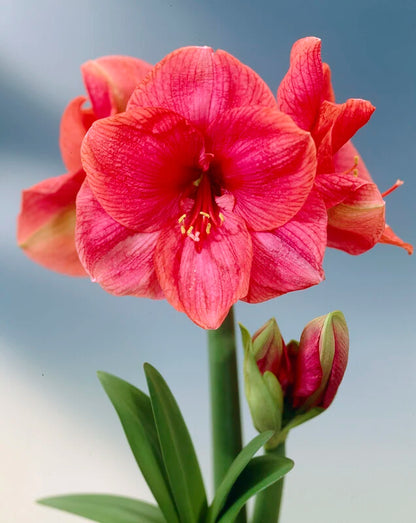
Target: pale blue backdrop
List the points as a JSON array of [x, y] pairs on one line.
[[357, 462]]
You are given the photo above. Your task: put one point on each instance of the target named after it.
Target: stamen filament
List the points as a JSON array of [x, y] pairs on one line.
[[392, 188]]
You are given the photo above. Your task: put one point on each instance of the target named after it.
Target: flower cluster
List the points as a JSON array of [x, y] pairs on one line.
[[191, 181], [286, 385]]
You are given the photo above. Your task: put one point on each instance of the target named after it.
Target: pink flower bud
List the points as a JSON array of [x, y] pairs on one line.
[[321, 361], [269, 351]]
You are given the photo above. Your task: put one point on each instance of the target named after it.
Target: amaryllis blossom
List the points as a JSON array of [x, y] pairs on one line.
[[356, 209], [46, 224], [200, 191]]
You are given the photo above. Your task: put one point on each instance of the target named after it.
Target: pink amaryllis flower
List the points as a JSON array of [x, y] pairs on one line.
[[183, 186], [46, 223], [356, 209]]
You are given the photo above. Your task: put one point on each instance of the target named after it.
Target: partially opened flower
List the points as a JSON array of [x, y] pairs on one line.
[[46, 223], [356, 209], [183, 186]]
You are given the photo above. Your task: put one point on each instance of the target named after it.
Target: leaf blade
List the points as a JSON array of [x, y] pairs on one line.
[[260, 473], [177, 449], [104, 508], [136, 416], [237, 466]]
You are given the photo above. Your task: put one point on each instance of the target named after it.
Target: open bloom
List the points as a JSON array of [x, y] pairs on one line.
[[46, 223], [185, 188], [356, 209]]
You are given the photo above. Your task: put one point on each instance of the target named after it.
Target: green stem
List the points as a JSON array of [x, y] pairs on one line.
[[268, 501], [225, 401]]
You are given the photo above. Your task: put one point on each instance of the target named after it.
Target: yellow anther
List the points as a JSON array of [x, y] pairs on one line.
[[221, 216], [355, 161], [208, 228], [183, 230], [355, 172], [181, 219], [189, 230], [202, 213]]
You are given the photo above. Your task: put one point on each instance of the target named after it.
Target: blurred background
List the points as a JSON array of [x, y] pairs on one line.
[[59, 434]]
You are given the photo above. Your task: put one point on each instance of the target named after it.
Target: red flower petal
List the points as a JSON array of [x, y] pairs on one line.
[[336, 125], [390, 238], [356, 224], [75, 123], [110, 80], [289, 258], [205, 284], [138, 164], [301, 92], [46, 223], [328, 91], [265, 161], [201, 84], [336, 187], [119, 259]]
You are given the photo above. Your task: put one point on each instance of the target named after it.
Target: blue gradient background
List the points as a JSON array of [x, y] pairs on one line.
[[356, 463]]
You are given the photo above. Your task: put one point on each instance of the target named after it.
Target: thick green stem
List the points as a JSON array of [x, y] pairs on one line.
[[268, 501], [225, 401]]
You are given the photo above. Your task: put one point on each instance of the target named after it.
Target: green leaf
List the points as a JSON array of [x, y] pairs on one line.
[[135, 412], [237, 466], [260, 473], [106, 509], [177, 449]]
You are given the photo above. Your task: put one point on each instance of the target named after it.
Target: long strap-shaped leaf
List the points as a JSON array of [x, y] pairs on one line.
[[237, 466], [178, 451], [259, 474], [104, 508], [135, 412]]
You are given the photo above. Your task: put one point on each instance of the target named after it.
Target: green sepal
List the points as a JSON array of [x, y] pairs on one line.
[[135, 412], [260, 473], [105, 508], [263, 392], [177, 449], [237, 466]]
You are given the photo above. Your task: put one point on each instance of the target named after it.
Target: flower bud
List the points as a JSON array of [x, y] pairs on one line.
[[321, 361], [270, 352], [263, 391]]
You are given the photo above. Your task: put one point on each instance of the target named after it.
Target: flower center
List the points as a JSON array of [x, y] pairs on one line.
[[204, 214]]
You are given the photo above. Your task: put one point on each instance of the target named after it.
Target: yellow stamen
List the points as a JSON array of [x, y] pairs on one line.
[[183, 230], [221, 216], [208, 228], [181, 219], [202, 213]]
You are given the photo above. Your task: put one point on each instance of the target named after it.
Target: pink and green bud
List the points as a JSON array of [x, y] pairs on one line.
[[270, 353], [321, 361], [263, 391]]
